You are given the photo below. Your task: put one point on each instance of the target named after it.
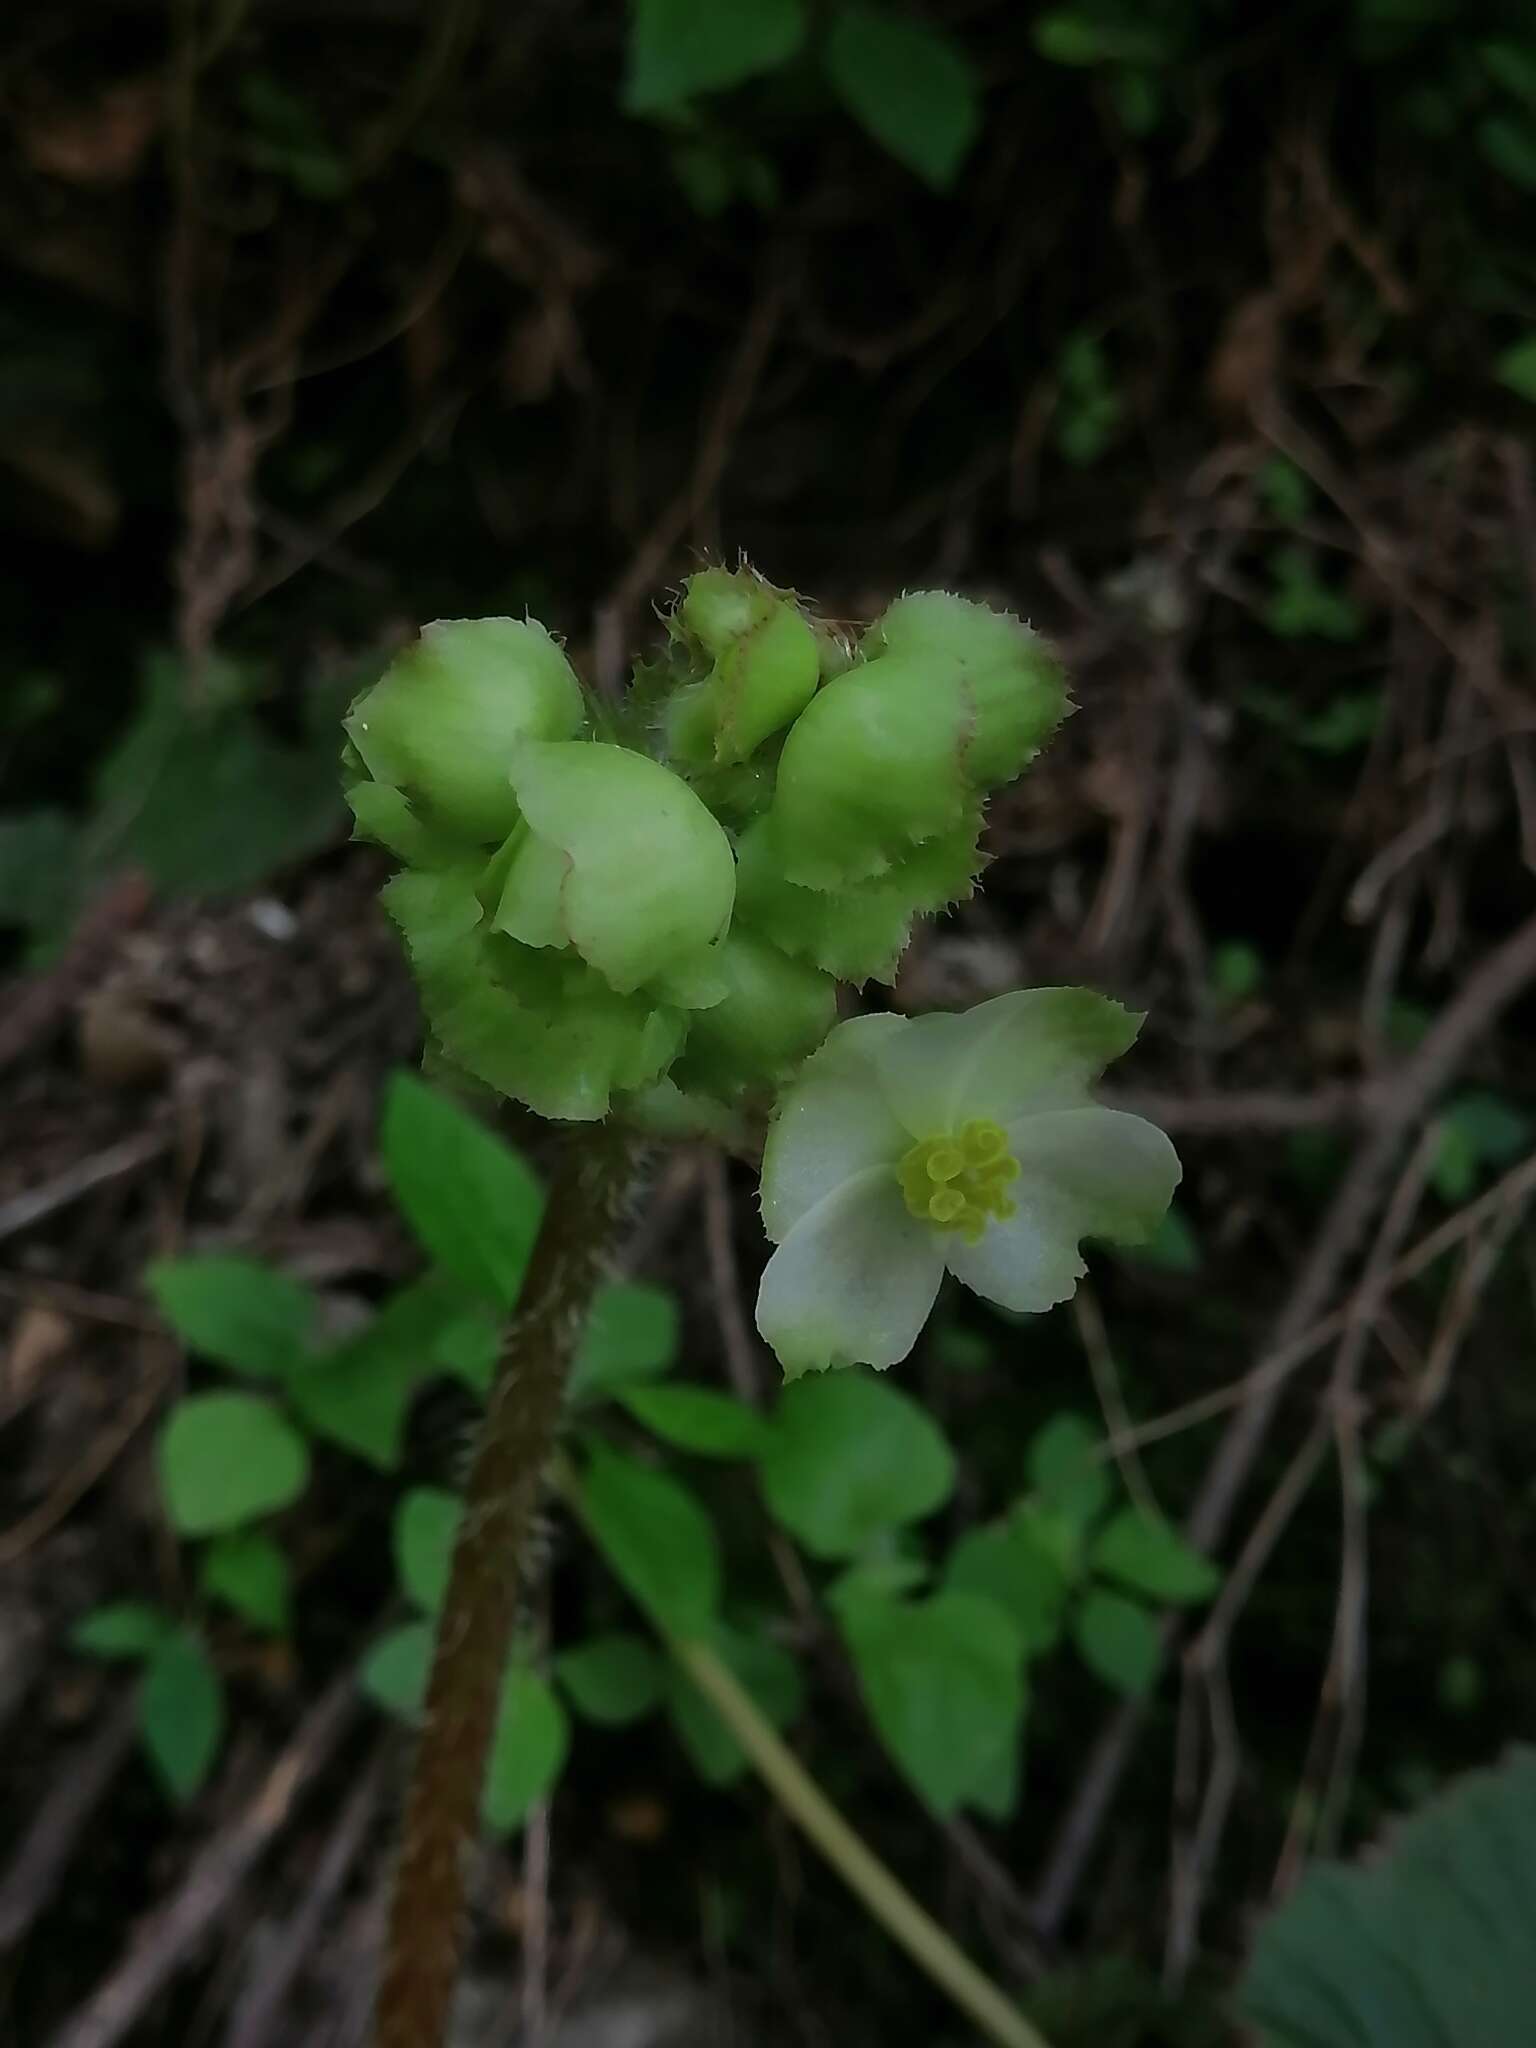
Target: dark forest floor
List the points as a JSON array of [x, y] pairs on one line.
[[1290, 560]]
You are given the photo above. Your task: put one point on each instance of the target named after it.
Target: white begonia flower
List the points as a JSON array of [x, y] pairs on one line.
[[908, 1145]]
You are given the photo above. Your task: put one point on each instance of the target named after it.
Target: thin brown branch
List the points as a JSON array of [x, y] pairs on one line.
[[1195, 1855], [115, 1162], [19, 1538], [80, 1784], [258, 2016], [1400, 1104], [120, 2001], [743, 1358], [1510, 1194]]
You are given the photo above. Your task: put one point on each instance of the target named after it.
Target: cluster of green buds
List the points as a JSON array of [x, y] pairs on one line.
[[596, 907], [647, 911]]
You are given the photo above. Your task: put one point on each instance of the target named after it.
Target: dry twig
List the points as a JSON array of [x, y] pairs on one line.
[[212, 1881], [81, 1781], [1401, 1103]]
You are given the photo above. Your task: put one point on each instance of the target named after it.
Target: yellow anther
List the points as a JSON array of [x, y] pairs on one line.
[[983, 1142], [956, 1181]]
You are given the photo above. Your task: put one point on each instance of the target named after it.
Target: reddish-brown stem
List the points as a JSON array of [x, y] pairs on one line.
[[426, 1922]]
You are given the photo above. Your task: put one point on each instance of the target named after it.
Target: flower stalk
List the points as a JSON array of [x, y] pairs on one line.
[[486, 1584], [883, 1896]]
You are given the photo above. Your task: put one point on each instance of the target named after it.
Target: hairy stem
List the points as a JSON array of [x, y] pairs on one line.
[[426, 1923]]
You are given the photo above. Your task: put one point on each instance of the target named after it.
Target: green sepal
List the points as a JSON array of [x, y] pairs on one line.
[[442, 722], [617, 858], [949, 701], [860, 932], [1014, 685], [775, 1011], [542, 1028], [764, 665], [385, 816]]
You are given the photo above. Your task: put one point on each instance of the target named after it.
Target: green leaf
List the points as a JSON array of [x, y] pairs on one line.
[[945, 1684], [1118, 1640], [680, 48], [1089, 410], [472, 1201], [1347, 721], [1508, 142], [1172, 1247], [1516, 369], [1460, 1685], [1071, 35], [1137, 97], [1285, 490], [39, 869], [123, 1628], [200, 796], [395, 1670], [528, 1748], [1513, 67], [613, 1679], [1237, 970], [248, 1572], [1428, 1945], [631, 1335], [849, 1458], [910, 85], [1478, 1130], [360, 1394], [959, 1348], [227, 1459], [659, 1542], [468, 1348], [285, 135], [181, 1713], [1150, 1556], [1303, 605], [1002, 1562], [426, 1526], [235, 1311], [1066, 1472], [698, 1419], [766, 1671]]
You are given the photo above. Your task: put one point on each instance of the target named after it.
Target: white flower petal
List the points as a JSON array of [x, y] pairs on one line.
[[853, 1282], [832, 1122], [1082, 1173], [1034, 1049], [1027, 1263]]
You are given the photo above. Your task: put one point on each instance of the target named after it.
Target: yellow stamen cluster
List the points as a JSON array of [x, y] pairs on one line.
[[959, 1182]]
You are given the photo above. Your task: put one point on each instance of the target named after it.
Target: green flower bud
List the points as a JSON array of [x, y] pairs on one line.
[[860, 932], [775, 1011], [949, 701], [618, 860], [539, 1027], [1016, 686], [442, 723], [765, 662]]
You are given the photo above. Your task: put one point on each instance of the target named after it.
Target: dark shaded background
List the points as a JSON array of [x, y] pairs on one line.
[[1217, 362]]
